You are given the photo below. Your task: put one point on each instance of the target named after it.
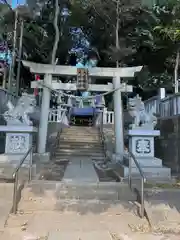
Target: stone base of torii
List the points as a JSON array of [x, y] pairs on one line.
[[49, 71]]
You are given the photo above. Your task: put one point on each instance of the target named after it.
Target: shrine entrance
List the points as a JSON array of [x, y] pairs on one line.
[[84, 84]]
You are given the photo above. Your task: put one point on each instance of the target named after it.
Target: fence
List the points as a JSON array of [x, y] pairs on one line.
[[55, 115], [166, 107], [108, 117]]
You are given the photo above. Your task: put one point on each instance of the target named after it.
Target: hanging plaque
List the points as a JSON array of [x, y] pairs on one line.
[[82, 79]]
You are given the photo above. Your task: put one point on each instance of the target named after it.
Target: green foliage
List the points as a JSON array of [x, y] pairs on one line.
[[146, 37], [99, 24]]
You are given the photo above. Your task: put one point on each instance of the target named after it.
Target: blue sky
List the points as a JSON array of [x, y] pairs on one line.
[[17, 2]]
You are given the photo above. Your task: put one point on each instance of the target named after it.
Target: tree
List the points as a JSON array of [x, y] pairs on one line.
[[56, 28], [47, 35], [169, 29], [98, 21]]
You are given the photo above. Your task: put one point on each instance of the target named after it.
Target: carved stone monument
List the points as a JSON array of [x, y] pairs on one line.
[[19, 128], [141, 141]]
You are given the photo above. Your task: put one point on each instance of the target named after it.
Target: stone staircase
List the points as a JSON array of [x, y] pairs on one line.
[[84, 211], [78, 203], [80, 197], [79, 141], [54, 209], [78, 206]]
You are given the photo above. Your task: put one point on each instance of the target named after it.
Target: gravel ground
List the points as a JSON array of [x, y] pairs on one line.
[[52, 171]]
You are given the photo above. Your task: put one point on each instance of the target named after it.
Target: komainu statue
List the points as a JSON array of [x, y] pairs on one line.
[[19, 114], [141, 119]]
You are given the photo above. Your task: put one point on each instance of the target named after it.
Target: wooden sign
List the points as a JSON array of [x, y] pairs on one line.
[[82, 79]]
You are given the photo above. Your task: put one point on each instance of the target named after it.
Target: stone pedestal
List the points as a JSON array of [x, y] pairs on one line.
[[18, 142], [141, 144]]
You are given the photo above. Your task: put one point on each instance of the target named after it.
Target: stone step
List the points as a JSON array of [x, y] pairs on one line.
[[146, 162], [162, 207], [80, 134], [77, 150], [159, 194], [81, 191], [69, 205], [87, 194], [81, 146], [95, 235], [80, 143], [67, 158], [150, 172], [81, 138], [7, 171], [79, 154], [82, 129], [101, 217], [92, 134]]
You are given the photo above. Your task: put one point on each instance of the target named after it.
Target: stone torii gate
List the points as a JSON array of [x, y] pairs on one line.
[[57, 70]]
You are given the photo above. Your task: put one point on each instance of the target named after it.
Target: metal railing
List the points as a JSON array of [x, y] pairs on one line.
[[143, 179], [55, 144], [16, 177], [101, 132], [166, 107]]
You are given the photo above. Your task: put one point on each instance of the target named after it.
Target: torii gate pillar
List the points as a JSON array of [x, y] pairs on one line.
[[43, 126], [118, 120]]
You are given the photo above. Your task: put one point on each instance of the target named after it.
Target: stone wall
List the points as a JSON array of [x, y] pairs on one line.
[[167, 146]]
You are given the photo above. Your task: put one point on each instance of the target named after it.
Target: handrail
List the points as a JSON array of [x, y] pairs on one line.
[[56, 142], [131, 156], [16, 175], [102, 133], [143, 179]]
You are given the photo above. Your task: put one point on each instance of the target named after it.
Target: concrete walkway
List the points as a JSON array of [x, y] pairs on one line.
[[104, 235], [92, 235], [80, 169]]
